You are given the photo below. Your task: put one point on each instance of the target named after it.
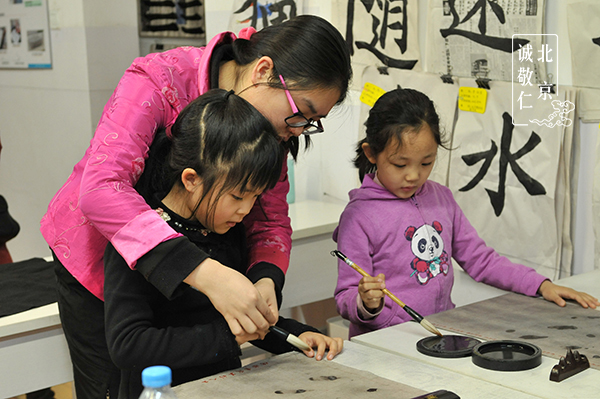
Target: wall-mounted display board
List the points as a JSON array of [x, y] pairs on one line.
[[24, 34], [171, 18]]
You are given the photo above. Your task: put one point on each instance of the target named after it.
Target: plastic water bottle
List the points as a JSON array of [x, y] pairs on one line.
[[157, 383]]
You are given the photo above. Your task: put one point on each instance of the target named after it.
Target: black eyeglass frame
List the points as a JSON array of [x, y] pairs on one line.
[[310, 126]]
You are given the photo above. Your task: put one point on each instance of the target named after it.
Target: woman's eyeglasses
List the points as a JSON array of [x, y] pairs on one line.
[[298, 119]]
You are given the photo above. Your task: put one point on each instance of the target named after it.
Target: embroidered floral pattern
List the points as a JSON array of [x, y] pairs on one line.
[[137, 167], [277, 243], [171, 95]]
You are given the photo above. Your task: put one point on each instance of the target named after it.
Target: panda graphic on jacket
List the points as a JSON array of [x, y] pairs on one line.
[[428, 247]]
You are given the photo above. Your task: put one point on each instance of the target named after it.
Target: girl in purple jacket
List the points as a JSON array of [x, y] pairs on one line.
[[404, 229], [292, 73]]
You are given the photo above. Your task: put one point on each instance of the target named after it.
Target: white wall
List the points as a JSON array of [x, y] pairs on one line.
[[47, 116]]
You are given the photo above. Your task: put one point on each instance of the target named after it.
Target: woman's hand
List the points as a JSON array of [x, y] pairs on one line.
[[234, 296], [322, 343], [370, 291], [555, 293], [266, 288]]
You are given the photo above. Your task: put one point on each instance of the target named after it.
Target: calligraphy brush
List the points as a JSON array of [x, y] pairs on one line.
[[290, 338], [417, 317]]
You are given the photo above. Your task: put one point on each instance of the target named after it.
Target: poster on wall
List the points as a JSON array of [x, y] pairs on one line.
[[382, 33], [24, 35], [475, 38], [260, 14], [511, 181]]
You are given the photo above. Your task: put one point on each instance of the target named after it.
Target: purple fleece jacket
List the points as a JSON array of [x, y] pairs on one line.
[[411, 241]]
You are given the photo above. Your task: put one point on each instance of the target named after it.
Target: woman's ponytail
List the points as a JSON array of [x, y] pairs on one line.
[[155, 176]]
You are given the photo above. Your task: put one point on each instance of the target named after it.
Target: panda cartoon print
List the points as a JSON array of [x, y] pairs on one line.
[[428, 247]]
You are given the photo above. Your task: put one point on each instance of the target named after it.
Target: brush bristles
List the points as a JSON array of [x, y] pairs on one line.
[[430, 327]]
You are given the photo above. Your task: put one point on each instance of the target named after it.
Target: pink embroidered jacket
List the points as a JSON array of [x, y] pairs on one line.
[[98, 203]]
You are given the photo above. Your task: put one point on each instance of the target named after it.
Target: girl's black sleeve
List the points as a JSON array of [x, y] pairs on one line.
[[135, 339], [169, 263]]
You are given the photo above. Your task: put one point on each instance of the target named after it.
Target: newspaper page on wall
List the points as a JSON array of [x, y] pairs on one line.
[[474, 38], [442, 94], [379, 33], [584, 36], [247, 13], [508, 179]]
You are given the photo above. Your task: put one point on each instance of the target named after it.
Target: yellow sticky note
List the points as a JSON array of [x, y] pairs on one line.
[[472, 99], [371, 94]]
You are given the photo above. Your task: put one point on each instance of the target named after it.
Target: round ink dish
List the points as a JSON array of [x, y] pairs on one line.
[[447, 346], [507, 355]]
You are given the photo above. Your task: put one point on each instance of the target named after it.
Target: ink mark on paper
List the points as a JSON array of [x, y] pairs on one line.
[[510, 331], [324, 378], [296, 391], [563, 327], [371, 389], [533, 336]]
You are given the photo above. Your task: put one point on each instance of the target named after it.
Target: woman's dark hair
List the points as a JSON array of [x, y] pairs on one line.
[[395, 113], [307, 51], [224, 139]]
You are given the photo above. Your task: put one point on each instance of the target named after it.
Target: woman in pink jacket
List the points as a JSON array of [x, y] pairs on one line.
[[293, 73]]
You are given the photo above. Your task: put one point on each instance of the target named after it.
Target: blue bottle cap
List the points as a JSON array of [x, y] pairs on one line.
[[156, 376]]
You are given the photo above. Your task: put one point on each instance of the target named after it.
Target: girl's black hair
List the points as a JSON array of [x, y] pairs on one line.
[[307, 51], [224, 139], [395, 113]]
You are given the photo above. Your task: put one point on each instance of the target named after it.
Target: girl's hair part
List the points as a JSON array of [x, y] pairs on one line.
[[224, 139], [307, 51], [395, 113]]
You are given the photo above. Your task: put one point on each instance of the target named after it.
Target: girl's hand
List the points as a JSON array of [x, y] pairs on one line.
[[234, 296], [322, 343], [555, 293], [370, 291], [266, 288]]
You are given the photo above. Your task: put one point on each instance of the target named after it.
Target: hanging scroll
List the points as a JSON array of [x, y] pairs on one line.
[[512, 182], [379, 33]]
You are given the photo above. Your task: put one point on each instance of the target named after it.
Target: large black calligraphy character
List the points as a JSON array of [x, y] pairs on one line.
[[505, 44], [596, 41], [380, 32], [532, 186], [263, 12]]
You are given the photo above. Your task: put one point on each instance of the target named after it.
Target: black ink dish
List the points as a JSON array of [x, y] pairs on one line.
[[448, 346]]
